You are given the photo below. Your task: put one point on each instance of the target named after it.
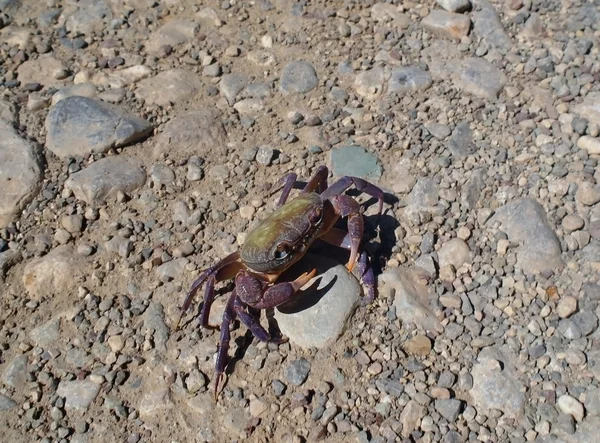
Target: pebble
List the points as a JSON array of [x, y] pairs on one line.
[[571, 406], [447, 24], [418, 345], [258, 407], [590, 144], [408, 79], [454, 252], [6, 403], [298, 77], [566, 306], [355, 161], [588, 194], [265, 155], [572, 223], [449, 408], [297, 372]]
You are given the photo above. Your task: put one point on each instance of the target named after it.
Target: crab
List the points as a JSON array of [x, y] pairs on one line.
[[278, 242]]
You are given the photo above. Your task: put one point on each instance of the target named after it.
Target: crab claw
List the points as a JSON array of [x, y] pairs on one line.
[[303, 279]]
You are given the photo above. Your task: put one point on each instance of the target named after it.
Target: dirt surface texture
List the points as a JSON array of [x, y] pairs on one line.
[[142, 140]]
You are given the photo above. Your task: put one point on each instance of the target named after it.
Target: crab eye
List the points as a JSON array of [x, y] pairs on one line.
[[282, 251], [315, 216]]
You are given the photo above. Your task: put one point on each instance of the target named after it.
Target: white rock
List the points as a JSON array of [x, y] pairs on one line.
[[570, 405], [590, 144]]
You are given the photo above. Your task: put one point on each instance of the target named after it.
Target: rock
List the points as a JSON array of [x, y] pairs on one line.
[[447, 24], [418, 345], [172, 33], [411, 298], [43, 70], [258, 407], [572, 223], [592, 401], [8, 112], [496, 386], [54, 273], [236, 420], [408, 79], [8, 259], [590, 144], [156, 401], [585, 321], [488, 27], [533, 28], [370, 84], [298, 77], [83, 126], [78, 394], [172, 269], [297, 372], [265, 155], [6, 403], [411, 416], [154, 318], [46, 335], [20, 173], [103, 179], [231, 85], [195, 381], [454, 252], [198, 132], [589, 109], [16, 36], [461, 143], [121, 78], [354, 161], [588, 194], [169, 87], [385, 12], [438, 130], [479, 77], [88, 17], [448, 408], [525, 223], [566, 306], [571, 406], [81, 89], [15, 372], [319, 316], [455, 5]]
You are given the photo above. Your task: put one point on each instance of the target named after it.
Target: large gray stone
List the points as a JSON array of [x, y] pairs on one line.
[[20, 173], [318, 316], [172, 33], [88, 16], [298, 77], [6, 403], [104, 178], [479, 77], [169, 87], [408, 79], [78, 394], [83, 126], [15, 372], [354, 161], [489, 28], [46, 334], [455, 5], [447, 24], [525, 223], [589, 108], [8, 112], [199, 132]]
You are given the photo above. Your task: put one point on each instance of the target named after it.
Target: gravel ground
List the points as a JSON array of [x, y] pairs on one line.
[[141, 140]]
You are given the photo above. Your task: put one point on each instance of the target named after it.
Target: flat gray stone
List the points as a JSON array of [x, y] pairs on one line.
[[8, 112], [479, 77], [172, 33], [589, 108], [56, 272], [78, 394], [408, 79], [83, 126], [198, 132], [6, 403], [461, 143], [447, 24], [454, 252], [449, 408], [455, 5], [354, 161], [371, 84], [8, 259], [20, 173], [88, 17], [525, 223], [47, 334], [169, 87], [103, 179], [298, 77], [487, 26], [15, 372], [231, 85], [317, 317]]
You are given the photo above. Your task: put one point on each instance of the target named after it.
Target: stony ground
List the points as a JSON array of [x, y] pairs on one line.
[[140, 140]]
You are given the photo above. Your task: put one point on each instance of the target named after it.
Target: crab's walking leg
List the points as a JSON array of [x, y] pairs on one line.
[[348, 207], [252, 322], [288, 181], [228, 317], [251, 292], [318, 182], [361, 185], [342, 239]]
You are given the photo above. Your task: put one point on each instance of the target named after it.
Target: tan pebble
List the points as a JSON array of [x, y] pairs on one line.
[[566, 306], [418, 345]]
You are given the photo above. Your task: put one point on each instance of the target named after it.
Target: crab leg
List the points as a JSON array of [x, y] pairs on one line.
[[361, 185], [228, 317], [337, 237], [318, 182], [288, 181], [348, 207]]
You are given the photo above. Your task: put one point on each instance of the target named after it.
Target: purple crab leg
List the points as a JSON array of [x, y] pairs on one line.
[[209, 298], [337, 237], [348, 207], [318, 182], [361, 185], [252, 322], [288, 181], [228, 317]]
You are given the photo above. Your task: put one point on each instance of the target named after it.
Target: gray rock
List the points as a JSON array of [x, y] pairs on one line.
[[496, 386], [103, 179], [15, 372], [488, 26], [231, 85], [172, 269], [297, 372], [172, 33], [568, 329], [169, 87], [571, 406], [447, 24], [20, 173], [88, 17], [438, 130], [318, 316], [455, 5], [83, 126], [370, 84], [479, 77], [8, 259], [454, 252], [6, 403], [265, 155], [461, 143], [592, 401], [411, 298], [8, 112], [354, 161], [383, 12], [408, 79], [525, 223], [198, 132], [56, 272], [78, 394], [591, 291], [589, 108], [449, 408], [236, 420], [411, 416], [154, 318], [586, 322], [298, 77], [423, 197], [80, 89], [47, 334]]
